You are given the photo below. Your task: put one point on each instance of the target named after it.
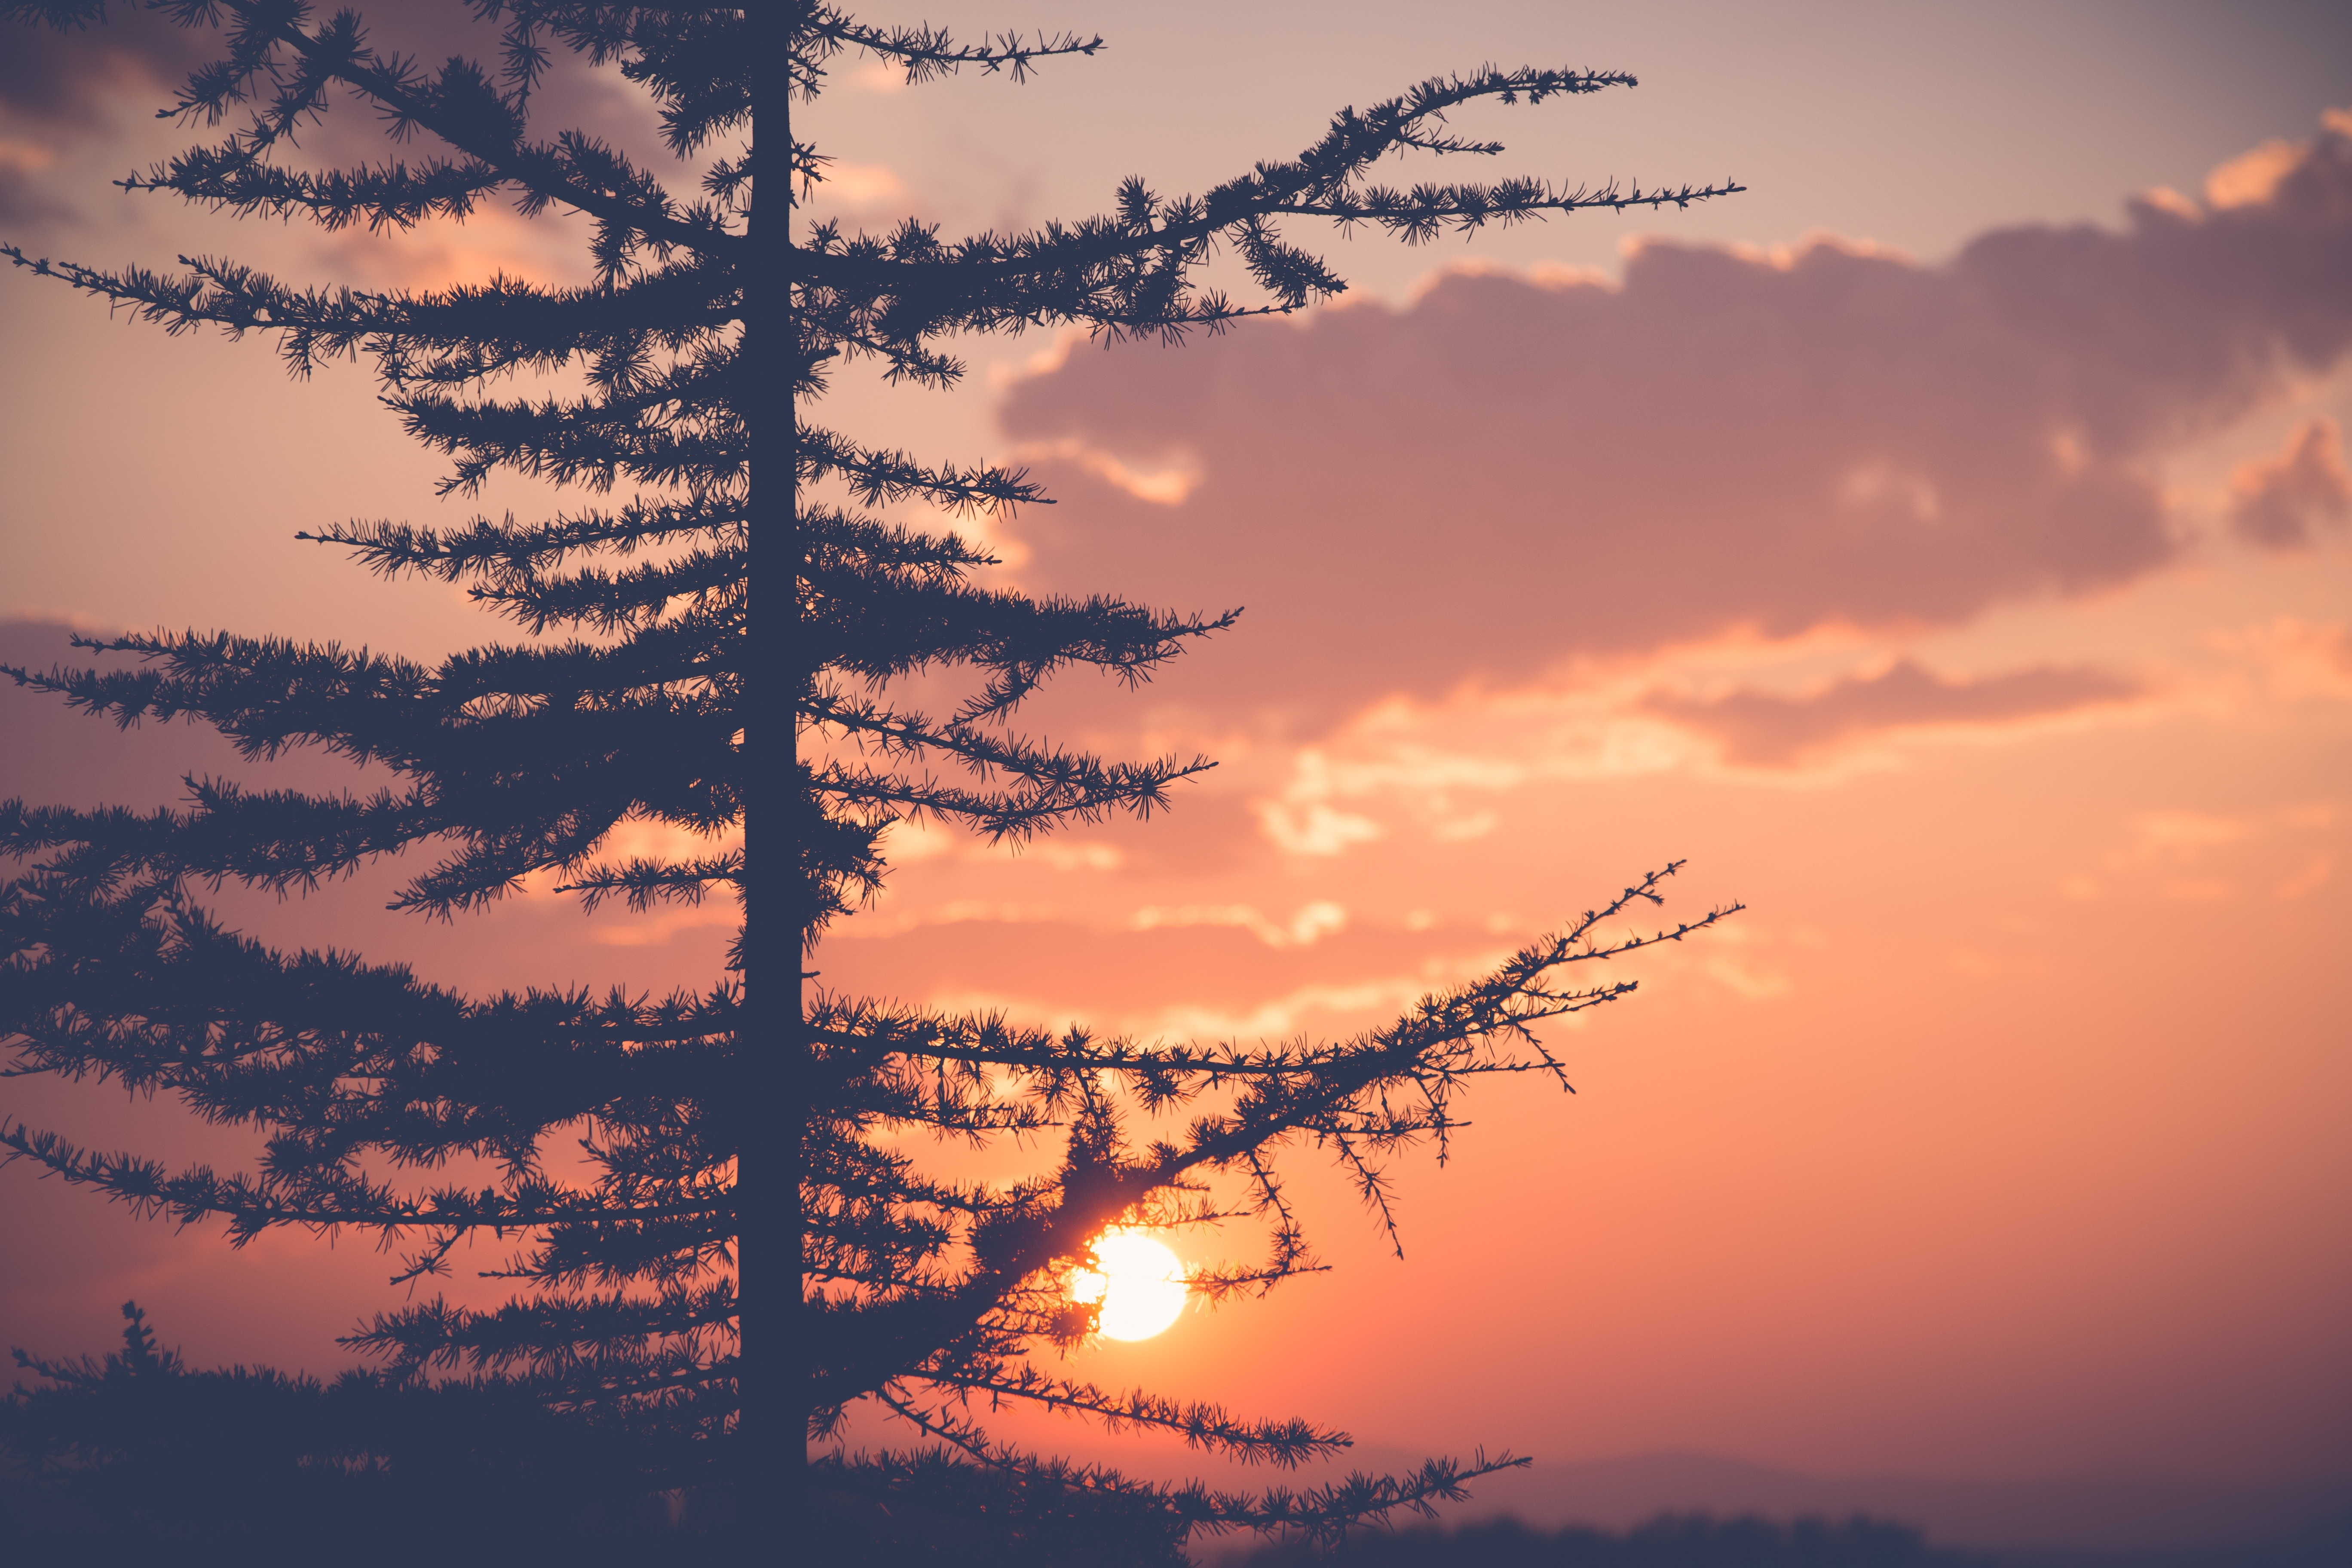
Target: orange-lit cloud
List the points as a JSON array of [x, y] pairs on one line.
[[1766, 729], [860, 187], [2284, 501], [2297, 659]]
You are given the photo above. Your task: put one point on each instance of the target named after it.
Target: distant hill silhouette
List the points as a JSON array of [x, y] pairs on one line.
[[2111, 1513], [1697, 1540], [1692, 1540]]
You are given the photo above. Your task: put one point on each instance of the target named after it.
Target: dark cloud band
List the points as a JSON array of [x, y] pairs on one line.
[[1511, 474]]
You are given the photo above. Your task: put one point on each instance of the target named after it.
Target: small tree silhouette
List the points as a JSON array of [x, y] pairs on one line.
[[137, 1449], [753, 1254]]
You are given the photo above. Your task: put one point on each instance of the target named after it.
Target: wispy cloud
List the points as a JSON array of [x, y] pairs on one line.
[[2288, 501], [1769, 730]]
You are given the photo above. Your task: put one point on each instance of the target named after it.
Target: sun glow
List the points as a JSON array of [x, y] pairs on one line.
[[1139, 1283]]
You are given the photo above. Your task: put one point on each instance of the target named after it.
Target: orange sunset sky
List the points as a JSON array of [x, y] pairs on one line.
[[1945, 547]]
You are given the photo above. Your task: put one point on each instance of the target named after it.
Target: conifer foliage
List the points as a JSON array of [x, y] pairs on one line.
[[715, 639]]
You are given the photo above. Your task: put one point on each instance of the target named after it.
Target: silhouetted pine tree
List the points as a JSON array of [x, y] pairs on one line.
[[755, 1254]]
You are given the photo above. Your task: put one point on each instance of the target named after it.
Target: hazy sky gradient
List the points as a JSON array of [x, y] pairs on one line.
[[1946, 545]]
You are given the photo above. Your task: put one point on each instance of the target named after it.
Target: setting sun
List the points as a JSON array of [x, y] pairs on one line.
[[1139, 1283]]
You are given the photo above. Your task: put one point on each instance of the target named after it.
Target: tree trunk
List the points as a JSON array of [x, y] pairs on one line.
[[772, 1378]]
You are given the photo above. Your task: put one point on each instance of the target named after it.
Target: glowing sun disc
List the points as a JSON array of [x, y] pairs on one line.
[[1139, 1283]]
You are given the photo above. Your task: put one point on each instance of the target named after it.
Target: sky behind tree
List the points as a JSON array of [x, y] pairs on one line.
[[1943, 545]]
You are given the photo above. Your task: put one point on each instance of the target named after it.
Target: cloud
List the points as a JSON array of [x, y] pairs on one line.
[[22, 199], [1310, 924], [58, 86], [2200, 857], [2313, 875], [1766, 729], [495, 241], [2281, 502], [1512, 475], [66, 81], [2182, 836], [857, 186], [84, 92], [2295, 660], [2252, 176]]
